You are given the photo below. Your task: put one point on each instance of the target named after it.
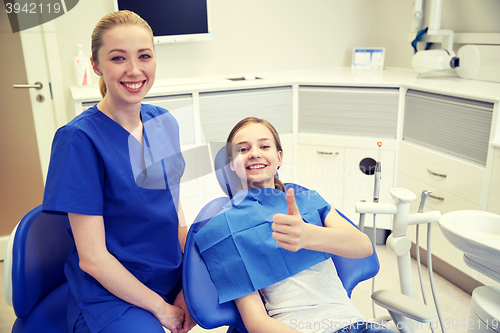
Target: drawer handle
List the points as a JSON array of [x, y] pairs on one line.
[[436, 174], [436, 197], [327, 152]]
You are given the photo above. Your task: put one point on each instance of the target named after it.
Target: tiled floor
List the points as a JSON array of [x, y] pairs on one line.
[[454, 302]]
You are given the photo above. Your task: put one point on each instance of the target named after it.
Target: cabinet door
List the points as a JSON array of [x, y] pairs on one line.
[[494, 191], [321, 168], [360, 186]]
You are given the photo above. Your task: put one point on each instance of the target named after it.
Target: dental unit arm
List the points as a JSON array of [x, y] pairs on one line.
[[402, 305]]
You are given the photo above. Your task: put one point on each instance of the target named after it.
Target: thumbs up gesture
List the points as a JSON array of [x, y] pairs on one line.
[[290, 231]]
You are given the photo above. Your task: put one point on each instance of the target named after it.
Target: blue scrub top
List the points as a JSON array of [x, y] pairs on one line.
[[98, 168]]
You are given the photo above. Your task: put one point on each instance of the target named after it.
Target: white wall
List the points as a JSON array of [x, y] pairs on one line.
[[249, 36], [393, 22], [252, 36]]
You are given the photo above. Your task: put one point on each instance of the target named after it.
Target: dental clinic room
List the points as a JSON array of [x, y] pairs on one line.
[[250, 166]]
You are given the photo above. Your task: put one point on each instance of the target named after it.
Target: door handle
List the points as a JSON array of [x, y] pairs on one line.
[[37, 85], [436, 174], [436, 197]]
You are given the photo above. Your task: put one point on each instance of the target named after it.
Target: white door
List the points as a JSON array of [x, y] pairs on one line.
[[26, 126]]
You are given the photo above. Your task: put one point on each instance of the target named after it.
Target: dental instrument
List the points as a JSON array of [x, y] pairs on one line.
[[400, 244], [423, 198], [376, 195]]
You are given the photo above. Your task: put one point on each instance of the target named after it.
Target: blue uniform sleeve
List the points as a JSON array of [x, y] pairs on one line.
[[76, 175]]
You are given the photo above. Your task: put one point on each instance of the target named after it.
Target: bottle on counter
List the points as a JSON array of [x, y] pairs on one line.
[[82, 68]]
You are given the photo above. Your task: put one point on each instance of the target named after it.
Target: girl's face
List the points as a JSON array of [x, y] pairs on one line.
[[255, 156], [127, 63]]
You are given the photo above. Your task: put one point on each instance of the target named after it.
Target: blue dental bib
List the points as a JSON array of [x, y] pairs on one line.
[[238, 248]]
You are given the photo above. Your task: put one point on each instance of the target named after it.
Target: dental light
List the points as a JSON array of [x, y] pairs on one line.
[[434, 60], [472, 61]]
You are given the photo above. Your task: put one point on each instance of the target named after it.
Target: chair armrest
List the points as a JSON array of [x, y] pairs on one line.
[[404, 305]]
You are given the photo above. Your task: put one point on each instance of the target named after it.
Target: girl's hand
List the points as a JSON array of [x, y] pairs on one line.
[[189, 322], [171, 317], [290, 231]]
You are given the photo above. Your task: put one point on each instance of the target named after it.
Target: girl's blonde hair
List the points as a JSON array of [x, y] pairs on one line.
[[253, 120], [108, 22]]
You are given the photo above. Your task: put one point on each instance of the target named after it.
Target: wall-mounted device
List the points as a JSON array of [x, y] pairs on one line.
[[172, 20]]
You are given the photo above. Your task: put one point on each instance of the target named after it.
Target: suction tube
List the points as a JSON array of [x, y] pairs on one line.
[[376, 196], [424, 196]]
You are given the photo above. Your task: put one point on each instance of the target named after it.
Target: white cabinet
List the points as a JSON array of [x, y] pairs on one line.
[[221, 110], [493, 204], [455, 184], [444, 149], [359, 111], [338, 128], [321, 168], [334, 171]]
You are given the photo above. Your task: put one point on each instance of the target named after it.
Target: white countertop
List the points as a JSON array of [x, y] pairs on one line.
[[440, 82]]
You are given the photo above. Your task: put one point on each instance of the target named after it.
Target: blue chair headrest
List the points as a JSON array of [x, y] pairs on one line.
[[227, 178]]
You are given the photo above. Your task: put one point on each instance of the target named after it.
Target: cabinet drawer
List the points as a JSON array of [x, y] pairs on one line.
[[463, 179], [442, 201], [441, 178], [451, 163]]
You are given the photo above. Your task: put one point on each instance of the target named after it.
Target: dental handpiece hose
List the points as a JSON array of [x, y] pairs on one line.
[[376, 193], [423, 198]]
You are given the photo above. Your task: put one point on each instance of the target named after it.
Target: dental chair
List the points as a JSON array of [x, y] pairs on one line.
[[199, 291], [34, 279]]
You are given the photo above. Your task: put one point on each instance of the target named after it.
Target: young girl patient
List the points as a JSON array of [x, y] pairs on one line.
[[310, 298]]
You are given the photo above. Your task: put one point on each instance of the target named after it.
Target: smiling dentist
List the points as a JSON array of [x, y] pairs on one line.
[[124, 271]]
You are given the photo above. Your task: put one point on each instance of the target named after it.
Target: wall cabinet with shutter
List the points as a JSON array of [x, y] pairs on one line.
[[339, 127], [444, 149], [221, 110]]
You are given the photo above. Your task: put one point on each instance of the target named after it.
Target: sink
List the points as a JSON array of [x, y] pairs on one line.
[[477, 235]]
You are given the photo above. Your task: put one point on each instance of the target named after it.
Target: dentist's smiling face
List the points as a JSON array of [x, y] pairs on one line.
[[256, 158], [127, 63]]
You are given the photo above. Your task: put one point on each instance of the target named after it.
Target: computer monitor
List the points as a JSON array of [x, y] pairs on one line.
[[172, 20]]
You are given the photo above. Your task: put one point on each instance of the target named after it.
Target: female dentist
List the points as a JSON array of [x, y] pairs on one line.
[[124, 272]]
